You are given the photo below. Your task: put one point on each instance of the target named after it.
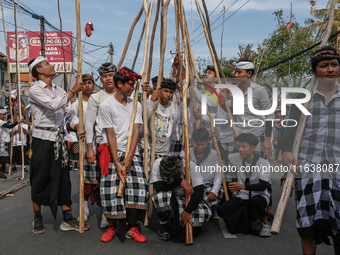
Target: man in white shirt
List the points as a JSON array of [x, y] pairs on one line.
[[49, 172], [91, 171], [207, 162], [114, 119], [17, 155], [166, 115], [93, 133], [4, 140], [244, 213]]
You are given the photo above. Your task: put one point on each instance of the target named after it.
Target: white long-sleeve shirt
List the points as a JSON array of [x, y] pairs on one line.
[[50, 108]]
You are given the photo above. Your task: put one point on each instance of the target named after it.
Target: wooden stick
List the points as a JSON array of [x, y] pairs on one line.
[[197, 125], [193, 30], [62, 45], [130, 36], [216, 63], [146, 136], [143, 72], [259, 62], [138, 47], [275, 230], [153, 38], [81, 125], [148, 14], [188, 233], [19, 89], [178, 44], [9, 89], [207, 31], [208, 113], [159, 80], [223, 10], [219, 65], [28, 55]]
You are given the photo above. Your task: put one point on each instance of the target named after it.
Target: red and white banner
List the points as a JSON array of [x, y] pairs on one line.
[[53, 49]]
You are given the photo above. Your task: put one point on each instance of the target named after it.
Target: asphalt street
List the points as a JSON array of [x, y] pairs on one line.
[[16, 216]]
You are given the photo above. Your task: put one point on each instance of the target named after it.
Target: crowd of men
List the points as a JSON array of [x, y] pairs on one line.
[[109, 162]]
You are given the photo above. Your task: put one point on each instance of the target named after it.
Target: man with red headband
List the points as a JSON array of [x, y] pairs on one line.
[[114, 119]]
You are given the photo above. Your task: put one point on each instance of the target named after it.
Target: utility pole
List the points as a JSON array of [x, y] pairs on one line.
[[42, 35], [42, 32], [111, 52]]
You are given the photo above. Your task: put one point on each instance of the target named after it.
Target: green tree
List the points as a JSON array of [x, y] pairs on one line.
[[276, 48]]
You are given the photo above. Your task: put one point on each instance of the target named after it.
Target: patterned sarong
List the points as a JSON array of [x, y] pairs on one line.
[[135, 193], [161, 201]]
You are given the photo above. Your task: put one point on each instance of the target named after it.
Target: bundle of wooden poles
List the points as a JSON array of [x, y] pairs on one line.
[[181, 35]]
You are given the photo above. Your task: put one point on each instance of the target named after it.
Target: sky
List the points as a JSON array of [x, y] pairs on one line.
[[247, 22]]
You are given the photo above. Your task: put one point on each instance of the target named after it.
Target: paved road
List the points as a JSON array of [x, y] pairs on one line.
[[16, 237]]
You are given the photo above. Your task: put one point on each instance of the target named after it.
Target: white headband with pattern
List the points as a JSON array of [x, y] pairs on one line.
[[244, 65], [35, 62]]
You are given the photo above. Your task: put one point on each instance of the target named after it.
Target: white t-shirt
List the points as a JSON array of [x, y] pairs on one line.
[[93, 105], [259, 173], [75, 108], [195, 176], [165, 116], [4, 132], [16, 137], [113, 114]]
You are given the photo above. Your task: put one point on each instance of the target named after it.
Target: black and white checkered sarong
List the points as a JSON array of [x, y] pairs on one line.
[[317, 199], [207, 189], [91, 172], [161, 201], [4, 149], [135, 192]]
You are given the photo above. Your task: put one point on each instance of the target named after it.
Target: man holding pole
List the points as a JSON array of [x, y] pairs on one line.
[[49, 173], [113, 118], [317, 182], [94, 135], [91, 189]]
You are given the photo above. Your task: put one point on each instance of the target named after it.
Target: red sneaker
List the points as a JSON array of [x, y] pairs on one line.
[[135, 235], [109, 234]]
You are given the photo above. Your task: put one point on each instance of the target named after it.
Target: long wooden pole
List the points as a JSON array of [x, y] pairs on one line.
[[159, 80], [19, 88], [143, 72], [208, 113], [9, 89], [146, 135], [81, 124], [184, 32], [28, 56], [138, 47], [223, 10], [148, 14], [130, 36], [62, 45], [178, 43], [153, 39], [297, 141], [259, 62], [219, 65], [188, 233]]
